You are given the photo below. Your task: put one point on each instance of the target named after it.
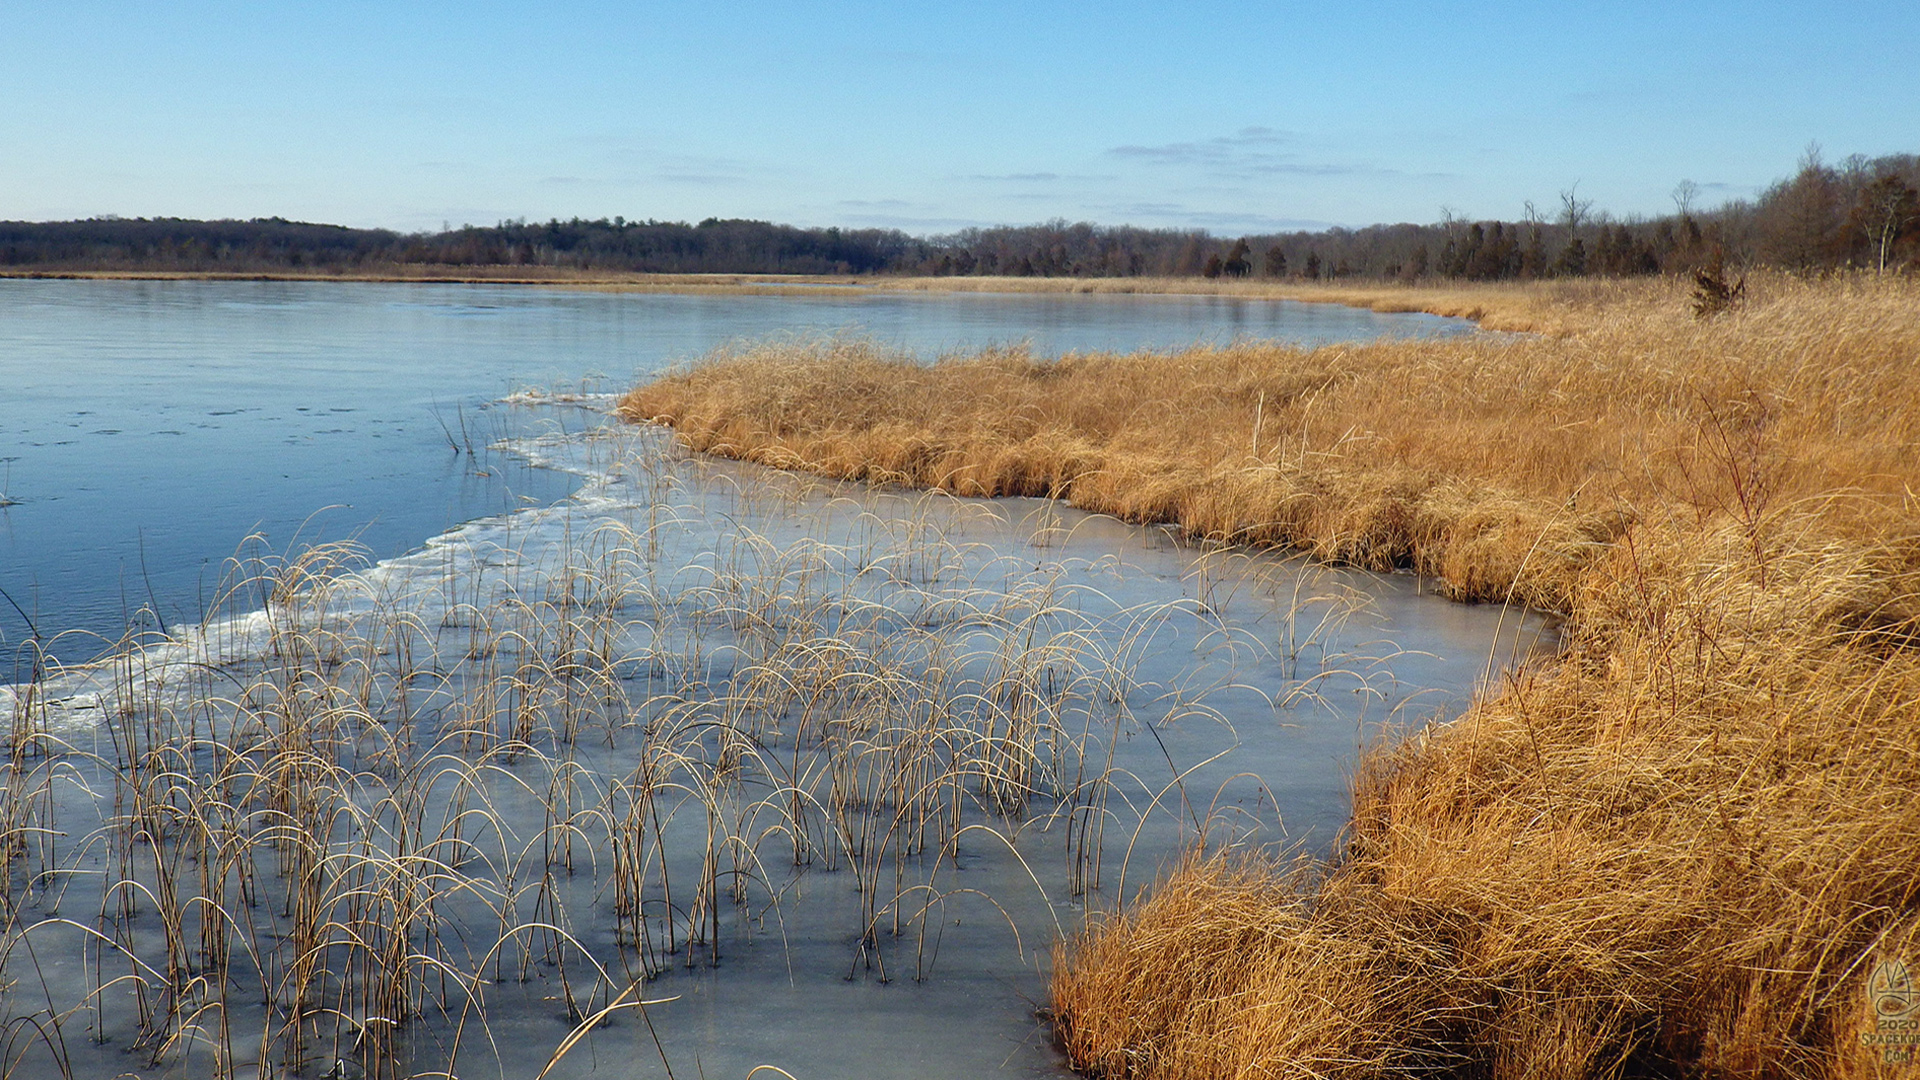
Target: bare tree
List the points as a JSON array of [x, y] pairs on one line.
[[1533, 257], [1573, 209], [1684, 193], [1885, 210]]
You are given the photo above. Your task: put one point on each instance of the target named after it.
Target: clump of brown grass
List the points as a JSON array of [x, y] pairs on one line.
[[1686, 846], [1682, 848]]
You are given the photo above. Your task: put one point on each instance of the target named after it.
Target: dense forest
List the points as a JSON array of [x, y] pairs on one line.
[[277, 245], [1862, 212]]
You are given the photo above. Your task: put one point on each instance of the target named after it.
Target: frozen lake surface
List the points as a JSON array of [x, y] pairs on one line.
[[147, 428], [821, 771]]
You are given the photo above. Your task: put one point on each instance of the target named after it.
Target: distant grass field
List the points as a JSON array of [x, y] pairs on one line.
[[1690, 845]]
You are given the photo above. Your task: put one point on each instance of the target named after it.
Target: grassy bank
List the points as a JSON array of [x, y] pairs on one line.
[[1686, 847]]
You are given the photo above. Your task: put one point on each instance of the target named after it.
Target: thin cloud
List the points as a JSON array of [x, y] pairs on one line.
[[1249, 141], [911, 223], [705, 179], [907, 215], [630, 159], [1040, 178], [1248, 153], [1182, 216]]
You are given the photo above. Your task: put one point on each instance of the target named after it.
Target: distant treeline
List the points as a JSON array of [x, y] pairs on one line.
[[274, 244], [1864, 212]]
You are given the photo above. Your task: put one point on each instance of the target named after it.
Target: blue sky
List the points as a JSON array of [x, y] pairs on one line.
[[1214, 113]]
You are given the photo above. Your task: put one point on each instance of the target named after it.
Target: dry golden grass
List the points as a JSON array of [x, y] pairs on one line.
[[1498, 465], [1683, 848]]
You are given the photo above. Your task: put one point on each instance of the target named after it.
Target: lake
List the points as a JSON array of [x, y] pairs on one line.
[[818, 772], [148, 428]]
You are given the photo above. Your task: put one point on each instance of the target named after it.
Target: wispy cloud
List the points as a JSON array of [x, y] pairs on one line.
[[1040, 178], [628, 159], [1248, 141], [702, 179], [916, 225], [908, 215], [1180, 215], [1249, 152]]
